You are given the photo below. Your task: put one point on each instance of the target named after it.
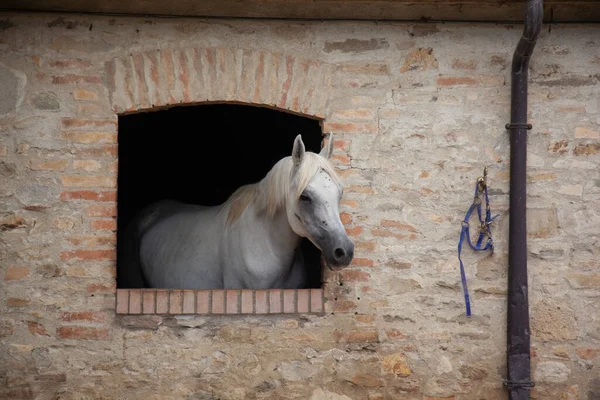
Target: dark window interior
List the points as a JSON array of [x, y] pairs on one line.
[[202, 154]]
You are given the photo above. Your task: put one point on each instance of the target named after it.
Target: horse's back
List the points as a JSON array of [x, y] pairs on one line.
[[128, 247], [177, 247]]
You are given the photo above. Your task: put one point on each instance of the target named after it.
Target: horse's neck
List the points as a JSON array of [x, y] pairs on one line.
[[267, 244], [274, 233]]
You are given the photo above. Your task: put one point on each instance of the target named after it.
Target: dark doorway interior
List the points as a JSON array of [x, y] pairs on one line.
[[202, 154]]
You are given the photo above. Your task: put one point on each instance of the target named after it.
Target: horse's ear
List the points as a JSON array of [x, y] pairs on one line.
[[327, 150], [298, 151]]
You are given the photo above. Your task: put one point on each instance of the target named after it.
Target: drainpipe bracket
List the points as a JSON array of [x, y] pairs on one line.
[[511, 126], [519, 384]]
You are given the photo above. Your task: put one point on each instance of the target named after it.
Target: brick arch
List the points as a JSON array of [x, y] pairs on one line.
[[165, 77]]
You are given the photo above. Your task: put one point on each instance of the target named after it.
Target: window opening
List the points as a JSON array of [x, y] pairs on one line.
[[200, 155]]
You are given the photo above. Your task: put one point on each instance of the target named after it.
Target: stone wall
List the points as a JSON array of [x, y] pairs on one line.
[[417, 110]]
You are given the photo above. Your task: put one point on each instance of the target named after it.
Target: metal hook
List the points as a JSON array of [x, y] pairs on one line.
[[482, 180]]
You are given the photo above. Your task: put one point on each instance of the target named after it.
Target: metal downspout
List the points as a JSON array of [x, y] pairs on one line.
[[518, 346]]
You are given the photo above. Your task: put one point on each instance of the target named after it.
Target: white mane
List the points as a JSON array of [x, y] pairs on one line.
[[271, 193]]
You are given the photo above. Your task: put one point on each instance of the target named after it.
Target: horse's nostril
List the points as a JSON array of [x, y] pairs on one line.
[[339, 253]]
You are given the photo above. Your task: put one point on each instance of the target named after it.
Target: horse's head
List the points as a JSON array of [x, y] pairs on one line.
[[313, 204]]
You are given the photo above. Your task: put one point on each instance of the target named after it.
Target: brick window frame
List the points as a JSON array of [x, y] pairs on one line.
[[163, 78], [219, 302]]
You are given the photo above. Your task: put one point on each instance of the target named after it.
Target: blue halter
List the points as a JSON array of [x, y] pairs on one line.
[[484, 230]]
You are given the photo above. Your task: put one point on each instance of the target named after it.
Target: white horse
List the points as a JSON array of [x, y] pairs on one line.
[[251, 241]]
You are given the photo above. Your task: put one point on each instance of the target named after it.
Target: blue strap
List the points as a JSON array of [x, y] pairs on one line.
[[484, 230], [463, 277]]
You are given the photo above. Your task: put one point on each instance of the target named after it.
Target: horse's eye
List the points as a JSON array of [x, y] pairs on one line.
[[304, 197]]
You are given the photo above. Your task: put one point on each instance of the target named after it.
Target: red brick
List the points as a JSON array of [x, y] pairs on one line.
[[367, 380], [316, 300], [386, 223], [189, 302], [289, 66], [87, 165], [350, 203], [346, 218], [102, 210], [82, 271], [17, 302], [261, 303], [92, 241], [289, 301], [135, 301], [88, 255], [232, 302], [344, 306], [184, 77], [349, 275], [342, 159], [148, 301], [122, 306], [48, 165], [303, 302], [89, 137], [275, 304], [386, 233], [88, 181], [587, 149], [356, 336], [142, 88], [113, 167], [350, 127], [167, 59], [16, 272], [342, 144], [89, 109], [74, 78], [84, 95], [355, 231], [470, 65], [101, 288], [162, 301], [482, 80], [365, 318], [347, 172], [35, 328], [360, 189], [93, 124], [395, 334], [175, 302], [218, 302], [362, 262], [365, 246], [203, 301], [71, 63], [356, 114], [85, 316], [247, 302], [82, 333], [98, 151], [588, 353], [104, 225]]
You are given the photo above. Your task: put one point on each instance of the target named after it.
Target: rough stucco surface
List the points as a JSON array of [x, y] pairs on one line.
[[417, 110]]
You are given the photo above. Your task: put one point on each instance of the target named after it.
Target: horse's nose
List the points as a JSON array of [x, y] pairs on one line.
[[343, 256]]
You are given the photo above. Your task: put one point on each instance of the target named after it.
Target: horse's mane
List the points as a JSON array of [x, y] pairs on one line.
[[270, 194]]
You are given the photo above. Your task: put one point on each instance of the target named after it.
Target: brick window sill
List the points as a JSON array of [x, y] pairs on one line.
[[219, 302]]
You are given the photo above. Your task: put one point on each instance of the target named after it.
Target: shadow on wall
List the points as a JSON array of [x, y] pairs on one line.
[[202, 154]]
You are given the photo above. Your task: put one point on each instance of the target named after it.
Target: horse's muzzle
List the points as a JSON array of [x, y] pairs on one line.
[[341, 255]]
